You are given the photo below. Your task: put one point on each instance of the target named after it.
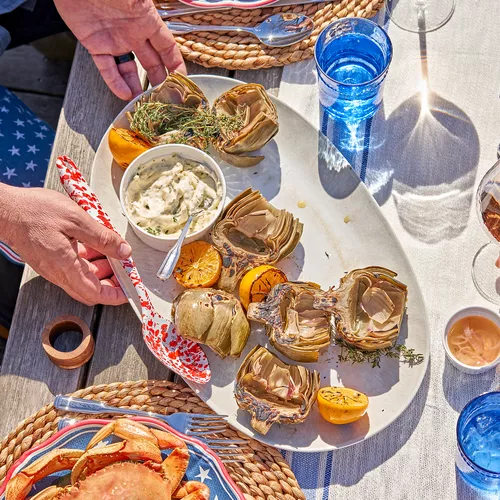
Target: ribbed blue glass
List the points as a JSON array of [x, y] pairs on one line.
[[352, 58], [478, 438]]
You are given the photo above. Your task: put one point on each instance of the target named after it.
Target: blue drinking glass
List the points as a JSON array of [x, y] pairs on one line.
[[478, 438], [352, 56]]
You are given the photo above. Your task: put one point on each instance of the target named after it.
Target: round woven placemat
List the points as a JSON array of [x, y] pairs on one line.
[[230, 51], [264, 475]]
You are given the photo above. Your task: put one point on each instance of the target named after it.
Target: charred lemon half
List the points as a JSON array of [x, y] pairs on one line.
[[340, 405]]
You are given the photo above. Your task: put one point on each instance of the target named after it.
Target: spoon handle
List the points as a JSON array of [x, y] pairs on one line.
[[168, 265], [178, 28]]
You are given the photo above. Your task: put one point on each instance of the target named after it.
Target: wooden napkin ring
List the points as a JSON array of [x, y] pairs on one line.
[[73, 359]]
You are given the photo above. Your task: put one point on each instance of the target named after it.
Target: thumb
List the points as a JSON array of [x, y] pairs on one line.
[[100, 238]]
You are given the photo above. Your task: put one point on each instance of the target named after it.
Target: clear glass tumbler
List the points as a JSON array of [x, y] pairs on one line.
[[420, 16], [486, 263], [352, 57], [478, 438]]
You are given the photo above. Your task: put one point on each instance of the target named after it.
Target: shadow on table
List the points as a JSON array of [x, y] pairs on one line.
[[121, 353], [335, 173], [458, 386], [304, 73], [25, 357], [380, 448], [432, 150]]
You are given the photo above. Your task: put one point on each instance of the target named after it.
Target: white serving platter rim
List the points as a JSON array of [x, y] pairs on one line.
[[385, 407]]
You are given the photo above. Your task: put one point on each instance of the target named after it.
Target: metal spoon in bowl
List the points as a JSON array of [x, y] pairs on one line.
[[168, 265], [278, 30]]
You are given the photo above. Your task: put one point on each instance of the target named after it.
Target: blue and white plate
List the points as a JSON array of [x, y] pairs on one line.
[[204, 465]]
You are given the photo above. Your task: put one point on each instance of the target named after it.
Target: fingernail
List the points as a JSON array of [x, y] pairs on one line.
[[124, 250]]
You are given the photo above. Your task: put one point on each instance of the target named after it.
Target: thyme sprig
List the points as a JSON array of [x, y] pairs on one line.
[[349, 353], [152, 119]]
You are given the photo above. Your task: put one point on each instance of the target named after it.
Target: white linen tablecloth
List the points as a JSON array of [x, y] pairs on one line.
[[428, 147]]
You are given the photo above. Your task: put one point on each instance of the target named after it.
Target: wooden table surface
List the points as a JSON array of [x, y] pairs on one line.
[[28, 379]]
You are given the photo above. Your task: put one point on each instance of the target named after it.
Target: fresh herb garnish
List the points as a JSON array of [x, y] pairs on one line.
[[152, 119], [154, 231], [399, 351]]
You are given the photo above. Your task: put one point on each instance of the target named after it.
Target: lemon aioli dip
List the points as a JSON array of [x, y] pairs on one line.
[[165, 192]]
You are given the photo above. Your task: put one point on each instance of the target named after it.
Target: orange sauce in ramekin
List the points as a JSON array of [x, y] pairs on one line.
[[474, 340]]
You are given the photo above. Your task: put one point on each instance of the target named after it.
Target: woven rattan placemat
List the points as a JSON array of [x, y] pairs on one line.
[[233, 51], [265, 475]]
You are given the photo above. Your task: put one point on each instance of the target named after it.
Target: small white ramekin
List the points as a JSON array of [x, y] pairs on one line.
[[164, 243], [469, 311]]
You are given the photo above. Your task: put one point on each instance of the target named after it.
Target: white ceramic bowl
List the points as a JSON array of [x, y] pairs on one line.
[[164, 243], [469, 311]]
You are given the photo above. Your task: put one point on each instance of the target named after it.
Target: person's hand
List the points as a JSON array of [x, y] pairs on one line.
[[108, 28], [62, 243]]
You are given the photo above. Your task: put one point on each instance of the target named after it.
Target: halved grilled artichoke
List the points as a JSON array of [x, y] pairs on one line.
[[368, 307], [260, 123], [176, 90], [293, 326], [252, 232], [212, 317], [273, 391]]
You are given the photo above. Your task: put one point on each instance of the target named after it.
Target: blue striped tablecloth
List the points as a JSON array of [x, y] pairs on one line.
[[421, 157]]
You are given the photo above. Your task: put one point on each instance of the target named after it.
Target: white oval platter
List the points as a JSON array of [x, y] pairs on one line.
[[300, 165]]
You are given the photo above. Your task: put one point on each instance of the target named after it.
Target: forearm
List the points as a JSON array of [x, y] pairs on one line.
[[9, 204]]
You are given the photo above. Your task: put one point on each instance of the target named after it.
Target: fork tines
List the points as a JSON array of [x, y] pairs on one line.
[[204, 416]]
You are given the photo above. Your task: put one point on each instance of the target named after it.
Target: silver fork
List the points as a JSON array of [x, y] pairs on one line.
[[198, 425]]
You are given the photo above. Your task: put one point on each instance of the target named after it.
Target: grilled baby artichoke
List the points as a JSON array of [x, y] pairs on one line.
[[368, 307], [242, 120], [293, 326], [212, 317], [252, 232], [166, 104], [259, 123], [273, 391]]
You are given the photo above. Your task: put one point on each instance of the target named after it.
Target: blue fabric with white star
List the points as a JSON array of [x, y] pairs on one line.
[[25, 146]]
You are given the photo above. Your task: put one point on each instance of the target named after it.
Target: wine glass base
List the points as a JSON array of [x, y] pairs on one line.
[[485, 273], [420, 16]]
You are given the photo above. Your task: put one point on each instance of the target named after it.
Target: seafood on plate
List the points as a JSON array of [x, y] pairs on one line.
[[132, 468], [294, 327], [242, 120], [212, 317], [273, 391], [368, 307], [252, 232]]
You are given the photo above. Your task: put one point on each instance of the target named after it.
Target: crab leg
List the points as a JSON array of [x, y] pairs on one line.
[[97, 458], [130, 429], [174, 467], [55, 461], [50, 493], [192, 490]]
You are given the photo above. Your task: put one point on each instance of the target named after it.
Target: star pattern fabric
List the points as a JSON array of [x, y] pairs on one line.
[[25, 146]]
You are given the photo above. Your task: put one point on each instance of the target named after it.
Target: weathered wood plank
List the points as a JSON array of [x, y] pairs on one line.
[[26, 69], [196, 69], [46, 107], [28, 379], [269, 78], [120, 353]]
